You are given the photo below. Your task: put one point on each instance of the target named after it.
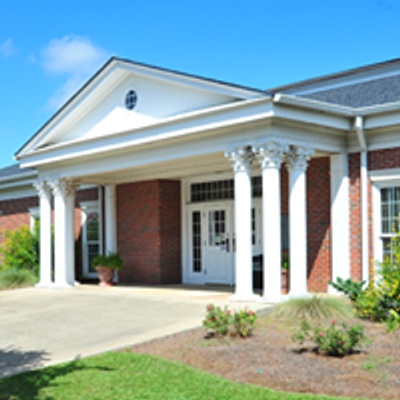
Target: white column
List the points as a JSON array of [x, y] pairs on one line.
[[270, 157], [64, 208], [45, 233], [241, 159], [110, 218], [364, 215], [340, 218], [297, 165]]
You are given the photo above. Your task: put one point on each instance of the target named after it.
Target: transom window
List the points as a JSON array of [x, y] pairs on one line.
[[220, 190]]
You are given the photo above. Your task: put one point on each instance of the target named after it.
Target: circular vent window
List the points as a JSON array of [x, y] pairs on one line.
[[131, 100]]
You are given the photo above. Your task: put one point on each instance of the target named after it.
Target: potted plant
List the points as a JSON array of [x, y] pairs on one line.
[[106, 265]]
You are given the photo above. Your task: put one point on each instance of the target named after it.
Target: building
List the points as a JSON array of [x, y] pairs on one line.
[[192, 178]]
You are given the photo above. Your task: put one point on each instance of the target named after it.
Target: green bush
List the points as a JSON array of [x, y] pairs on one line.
[[349, 287], [381, 298], [16, 278], [244, 322], [313, 308], [333, 341], [21, 249], [221, 321], [218, 320]]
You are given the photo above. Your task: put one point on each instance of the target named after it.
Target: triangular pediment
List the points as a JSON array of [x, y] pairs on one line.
[[100, 109]]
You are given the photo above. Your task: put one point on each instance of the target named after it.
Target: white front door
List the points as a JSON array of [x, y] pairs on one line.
[[218, 244]]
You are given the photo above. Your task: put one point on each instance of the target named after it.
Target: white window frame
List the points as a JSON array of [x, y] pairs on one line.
[[381, 179], [34, 214], [88, 207]]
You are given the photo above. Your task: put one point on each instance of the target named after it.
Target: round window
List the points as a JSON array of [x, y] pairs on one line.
[[131, 100]]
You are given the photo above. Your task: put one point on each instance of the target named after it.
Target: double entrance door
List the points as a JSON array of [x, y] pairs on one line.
[[212, 242]]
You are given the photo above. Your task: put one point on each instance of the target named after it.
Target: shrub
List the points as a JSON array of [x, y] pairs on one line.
[[349, 288], [334, 341], [313, 308], [393, 322], [244, 322], [21, 249], [382, 295], [218, 319], [16, 278], [221, 321]]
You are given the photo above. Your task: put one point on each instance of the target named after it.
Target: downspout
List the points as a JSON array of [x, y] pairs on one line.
[[359, 127]]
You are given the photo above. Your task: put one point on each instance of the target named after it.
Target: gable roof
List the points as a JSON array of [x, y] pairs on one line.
[[114, 61], [15, 171], [336, 75]]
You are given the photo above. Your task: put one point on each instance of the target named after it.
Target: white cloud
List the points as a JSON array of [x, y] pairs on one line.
[[8, 48], [74, 56]]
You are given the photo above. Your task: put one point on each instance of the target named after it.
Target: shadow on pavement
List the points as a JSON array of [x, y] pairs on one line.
[[30, 385], [14, 361]]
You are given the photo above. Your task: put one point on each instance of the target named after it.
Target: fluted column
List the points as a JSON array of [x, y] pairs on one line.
[[64, 197], [297, 166], [241, 160], [44, 191], [270, 157]]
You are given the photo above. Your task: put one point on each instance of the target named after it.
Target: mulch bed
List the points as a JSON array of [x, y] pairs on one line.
[[270, 358]]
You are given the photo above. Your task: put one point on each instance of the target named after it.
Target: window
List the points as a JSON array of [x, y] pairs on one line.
[[131, 100], [34, 217], [220, 190], [390, 210], [91, 235]]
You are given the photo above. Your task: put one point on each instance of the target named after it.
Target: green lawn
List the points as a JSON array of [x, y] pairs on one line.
[[123, 376]]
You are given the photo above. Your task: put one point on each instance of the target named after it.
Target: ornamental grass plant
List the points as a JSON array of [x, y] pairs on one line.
[[313, 308], [16, 278]]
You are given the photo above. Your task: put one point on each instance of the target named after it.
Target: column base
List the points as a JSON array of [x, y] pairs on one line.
[[270, 299], [42, 285], [244, 298], [305, 295], [62, 285]]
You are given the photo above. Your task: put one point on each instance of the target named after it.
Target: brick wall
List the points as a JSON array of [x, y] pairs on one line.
[[319, 224], [318, 221], [149, 231], [355, 216], [15, 213]]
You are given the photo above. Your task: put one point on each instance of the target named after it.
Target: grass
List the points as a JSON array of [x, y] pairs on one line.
[[313, 308], [16, 278], [123, 376]]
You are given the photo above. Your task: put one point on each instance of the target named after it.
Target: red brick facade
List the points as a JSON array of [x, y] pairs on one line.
[[15, 213], [318, 221], [319, 224], [149, 231], [355, 216]]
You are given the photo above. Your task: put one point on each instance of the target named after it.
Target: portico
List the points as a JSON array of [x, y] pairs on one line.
[[194, 195]]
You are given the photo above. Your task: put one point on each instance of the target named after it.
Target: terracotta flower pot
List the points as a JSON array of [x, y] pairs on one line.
[[106, 275], [285, 281]]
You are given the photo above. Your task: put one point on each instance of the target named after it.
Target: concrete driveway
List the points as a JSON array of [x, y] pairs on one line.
[[40, 327]]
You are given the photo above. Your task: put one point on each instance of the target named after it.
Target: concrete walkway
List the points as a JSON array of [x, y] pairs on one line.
[[40, 327]]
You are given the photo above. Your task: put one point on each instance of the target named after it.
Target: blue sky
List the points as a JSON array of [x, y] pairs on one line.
[[48, 49]]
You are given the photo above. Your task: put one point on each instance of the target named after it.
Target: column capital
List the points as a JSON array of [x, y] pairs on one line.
[[241, 158], [298, 156], [43, 188], [271, 154], [62, 187]]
